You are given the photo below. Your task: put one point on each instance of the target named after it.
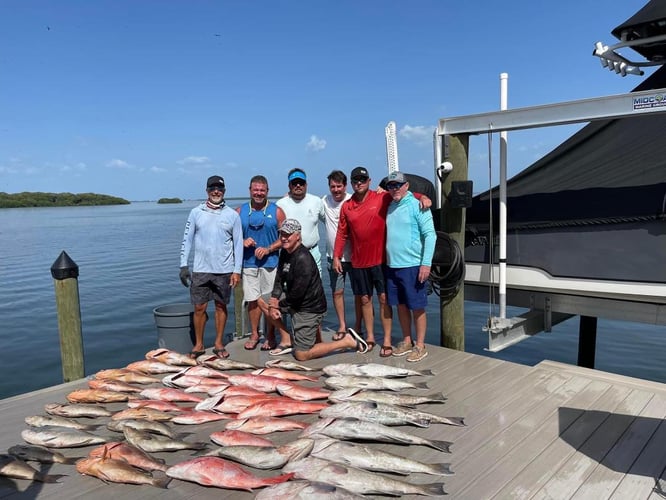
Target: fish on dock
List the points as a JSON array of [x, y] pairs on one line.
[[214, 361], [281, 407], [370, 431], [55, 420], [266, 457], [381, 413], [284, 374], [375, 384], [142, 413], [358, 480], [199, 417], [170, 394], [153, 443], [302, 393], [76, 410], [41, 454], [118, 471], [355, 394], [373, 459], [373, 370], [156, 404], [183, 380], [170, 357], [15, 468], [125, 375], [260, 382], [216, 471], [153, 367], [120, 450], [96, 396], [60, 437], [265, 425], [306, 490], [142, 425], [230, 437], [288, 365], [108, 384]]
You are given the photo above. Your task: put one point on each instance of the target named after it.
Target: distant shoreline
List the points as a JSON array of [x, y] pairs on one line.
[[39, 199]]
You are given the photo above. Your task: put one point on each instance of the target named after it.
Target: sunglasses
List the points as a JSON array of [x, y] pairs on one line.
[[215, 188], [360, 180], [394, 185], [297, 182]]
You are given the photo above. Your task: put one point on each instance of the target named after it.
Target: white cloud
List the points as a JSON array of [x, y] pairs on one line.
[[194, 160], [79, 167], [419, 134], [157, 170], [315, 144], [116, 163]]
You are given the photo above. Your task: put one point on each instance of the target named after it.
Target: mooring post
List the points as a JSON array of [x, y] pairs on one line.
[[587, 341], [452, 314], [65, 274]]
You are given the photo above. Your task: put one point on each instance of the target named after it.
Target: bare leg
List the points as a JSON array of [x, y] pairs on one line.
[[405, 318], [323, 348], [359, 313], [386, 317], [420, 324], [368, 313], [285, 338], [254, 313], [220, 323], [339, 304], [199, 322]]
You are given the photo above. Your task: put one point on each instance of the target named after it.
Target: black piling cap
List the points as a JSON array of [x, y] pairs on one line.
[[64, 267]]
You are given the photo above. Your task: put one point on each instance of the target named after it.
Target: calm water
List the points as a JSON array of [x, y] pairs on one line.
[[128, 265]]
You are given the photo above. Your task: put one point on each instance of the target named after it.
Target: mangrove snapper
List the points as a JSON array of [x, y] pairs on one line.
[[76, 410], [117, 471], [129, 453], [152, 443], [55, 420], [40, 454], [11, 466], [267, 457], [60, 437]]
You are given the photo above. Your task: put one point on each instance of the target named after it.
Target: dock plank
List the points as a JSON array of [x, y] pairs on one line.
[[526, 429]]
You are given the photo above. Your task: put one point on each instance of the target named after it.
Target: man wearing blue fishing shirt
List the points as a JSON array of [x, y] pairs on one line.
[[215, 232]]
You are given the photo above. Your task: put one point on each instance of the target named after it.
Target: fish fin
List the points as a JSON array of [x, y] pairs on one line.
[[421, 385], [433, 489], [437, 397], [441, 445], [161, 482], [426, 373], [454, 421], [444, 469]]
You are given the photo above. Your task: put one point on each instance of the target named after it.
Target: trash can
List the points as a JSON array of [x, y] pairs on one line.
[[175, 330]]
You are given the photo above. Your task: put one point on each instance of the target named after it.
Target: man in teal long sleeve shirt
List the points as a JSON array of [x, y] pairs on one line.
[[215, 232], [410, 245]]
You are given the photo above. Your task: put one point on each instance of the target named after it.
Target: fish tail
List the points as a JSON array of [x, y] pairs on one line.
[[441, 445], [433, 489], [427, 373], [49, 478], [444, 468], [437, 397], [421, 385], [454, 421], [161, 482]]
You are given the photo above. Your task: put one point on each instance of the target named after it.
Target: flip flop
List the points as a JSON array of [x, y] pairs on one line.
[[251, 344], [222, 353], [386, 351], [361, 345], [196, 354], [267, 345], [280, 350], [338, 335], [371, 346]]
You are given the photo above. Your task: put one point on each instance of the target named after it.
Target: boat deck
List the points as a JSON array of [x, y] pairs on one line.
[[549, 431]]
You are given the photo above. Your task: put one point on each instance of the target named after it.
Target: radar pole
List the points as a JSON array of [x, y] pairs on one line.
[[391, 148]]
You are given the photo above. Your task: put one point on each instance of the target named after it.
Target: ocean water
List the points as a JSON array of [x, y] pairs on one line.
[[128, 259]]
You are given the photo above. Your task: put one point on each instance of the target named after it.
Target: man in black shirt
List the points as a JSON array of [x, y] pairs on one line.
[[298, 291]]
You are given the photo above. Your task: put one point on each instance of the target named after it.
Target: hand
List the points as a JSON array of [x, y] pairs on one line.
[[337, 265], [425, 203], [249, 242], [261, 252], [424, 273], [185, 276], [234, 280]]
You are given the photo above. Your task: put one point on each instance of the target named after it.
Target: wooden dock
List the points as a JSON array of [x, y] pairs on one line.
[[549, 431]]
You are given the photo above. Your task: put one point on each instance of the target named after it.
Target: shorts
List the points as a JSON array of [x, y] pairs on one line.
[[364, 280], [336, 280], [304, 329], [209, 286], [403, 287], [258, 282]]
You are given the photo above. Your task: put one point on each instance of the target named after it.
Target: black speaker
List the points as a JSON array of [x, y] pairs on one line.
[[461, 194]]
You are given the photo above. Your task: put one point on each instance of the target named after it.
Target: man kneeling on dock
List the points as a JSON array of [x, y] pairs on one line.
[[298, 291]]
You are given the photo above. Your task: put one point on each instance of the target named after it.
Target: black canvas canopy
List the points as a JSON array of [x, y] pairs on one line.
[[648, 22]]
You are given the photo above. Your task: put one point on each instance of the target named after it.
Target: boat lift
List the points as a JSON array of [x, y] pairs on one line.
[[546, 303]]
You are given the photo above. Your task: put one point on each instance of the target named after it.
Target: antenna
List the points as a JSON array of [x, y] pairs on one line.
[[391, 148]]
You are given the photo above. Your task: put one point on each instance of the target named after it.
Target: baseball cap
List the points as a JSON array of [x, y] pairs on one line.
[[359, 172], [297, 175], [290, 226], [215, 180], [396, 177]]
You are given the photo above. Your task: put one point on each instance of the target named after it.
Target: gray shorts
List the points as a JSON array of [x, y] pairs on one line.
[[208, 286], [304, 329], [336, 280]]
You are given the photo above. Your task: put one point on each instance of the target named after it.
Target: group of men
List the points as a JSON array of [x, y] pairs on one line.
[[382, 240]]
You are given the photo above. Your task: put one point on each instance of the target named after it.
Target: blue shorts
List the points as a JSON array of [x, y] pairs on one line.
[[363, 280], [403, 287], [336, 280]]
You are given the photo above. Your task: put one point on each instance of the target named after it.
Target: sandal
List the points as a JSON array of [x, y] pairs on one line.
[[371, 346], [280, 350], [339, 335], [361, 345], [251, 344], [196, 354], [268, 345], [222, 353], [386, 351]]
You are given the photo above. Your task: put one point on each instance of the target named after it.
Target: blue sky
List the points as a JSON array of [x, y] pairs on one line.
[[145, 99]]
